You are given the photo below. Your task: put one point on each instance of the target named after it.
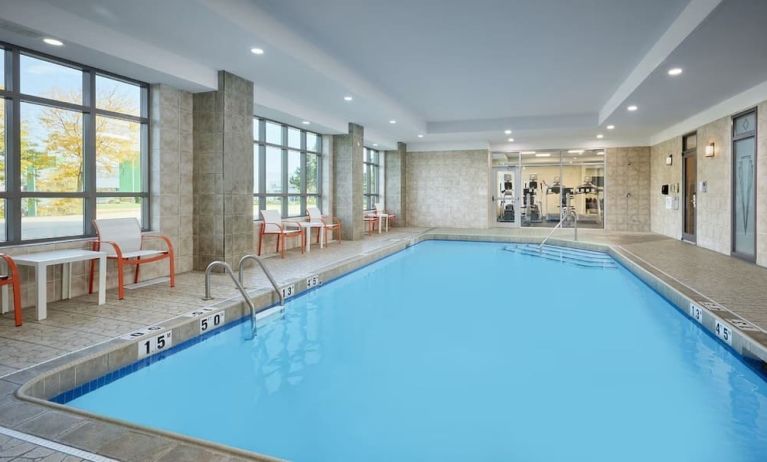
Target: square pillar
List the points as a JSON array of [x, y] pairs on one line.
[[223, 171], [347, 181], [395, 167]]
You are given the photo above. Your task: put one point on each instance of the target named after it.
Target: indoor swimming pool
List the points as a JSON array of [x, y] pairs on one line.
[[455, 351]]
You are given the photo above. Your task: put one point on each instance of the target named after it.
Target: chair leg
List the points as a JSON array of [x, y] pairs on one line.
[[278, 242], [120, 280], [318, 234], [17, 300], [303, 241], [135, 276], [281, 250], [95, 246], [172, 269], [90, 279]]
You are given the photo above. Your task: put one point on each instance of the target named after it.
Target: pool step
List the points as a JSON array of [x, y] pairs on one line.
[[586, 258]]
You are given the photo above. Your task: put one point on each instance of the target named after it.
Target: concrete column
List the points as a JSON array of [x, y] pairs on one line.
[[347, 181], [395, 181], [171, 159], [223, 171]]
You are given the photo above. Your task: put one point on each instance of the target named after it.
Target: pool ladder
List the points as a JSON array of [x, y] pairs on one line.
[[238, 283]]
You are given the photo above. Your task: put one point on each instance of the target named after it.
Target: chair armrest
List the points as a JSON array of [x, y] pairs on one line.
[[118, 251], [168, 243]]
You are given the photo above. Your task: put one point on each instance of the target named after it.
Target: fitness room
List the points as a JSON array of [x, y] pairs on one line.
[[543, 188]]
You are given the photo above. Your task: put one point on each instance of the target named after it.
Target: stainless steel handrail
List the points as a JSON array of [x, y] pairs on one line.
[[266, 271], [228, 269], [572, 213]]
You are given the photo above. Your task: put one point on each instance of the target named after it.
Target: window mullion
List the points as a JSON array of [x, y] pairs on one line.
[[89, 151], [13, 162]]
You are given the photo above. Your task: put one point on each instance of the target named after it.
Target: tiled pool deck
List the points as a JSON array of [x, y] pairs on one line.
[[78, 328]]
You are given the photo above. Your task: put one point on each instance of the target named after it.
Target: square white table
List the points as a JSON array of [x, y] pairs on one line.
[[40, 261], [307, 227], [381, 218]]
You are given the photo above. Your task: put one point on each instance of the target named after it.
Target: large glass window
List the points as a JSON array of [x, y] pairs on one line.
[[286, 168], [73, 147], [554, 186], [370, 175]]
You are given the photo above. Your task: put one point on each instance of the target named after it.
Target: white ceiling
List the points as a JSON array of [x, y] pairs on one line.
[[556, 72]]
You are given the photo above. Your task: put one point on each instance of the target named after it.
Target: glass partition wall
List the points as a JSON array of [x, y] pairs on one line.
[[538, 188]]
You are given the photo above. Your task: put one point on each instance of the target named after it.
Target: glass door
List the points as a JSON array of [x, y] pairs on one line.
[[507, 190], [744, 186], [690, 178]]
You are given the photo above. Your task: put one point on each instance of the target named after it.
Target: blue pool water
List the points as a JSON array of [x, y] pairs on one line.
[[456, 351]]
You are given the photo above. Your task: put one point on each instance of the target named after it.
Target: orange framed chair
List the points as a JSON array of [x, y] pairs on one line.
[[12, 279], [390, 217], [124, 239], [371, 221], [271, 223], [330, 224]]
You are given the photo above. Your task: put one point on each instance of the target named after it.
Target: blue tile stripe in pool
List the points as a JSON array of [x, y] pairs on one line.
[[76, 392]]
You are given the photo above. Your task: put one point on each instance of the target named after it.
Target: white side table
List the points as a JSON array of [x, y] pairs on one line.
[[40, 261], [381, 218], [307, 227]]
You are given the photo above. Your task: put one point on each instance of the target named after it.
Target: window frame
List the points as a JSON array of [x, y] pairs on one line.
[[259, 153], [371, 196], [12, 98]]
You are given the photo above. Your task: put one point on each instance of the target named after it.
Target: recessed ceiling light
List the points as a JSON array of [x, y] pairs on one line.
[[575, 151], [420, 135], [508, 132], [375, 144], [511, 140], [257, 51], [600, 153], [543, 154], [675, 71], [632, 108], [611, 127], [348, 98], [600, 136], [392, 121], [306, 122], [527, 152], [53, 41]]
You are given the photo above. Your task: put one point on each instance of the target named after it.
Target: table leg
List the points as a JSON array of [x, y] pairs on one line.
[[380, 223], [308, 239], [102, 280], [66, 280], [322, 236], [41, 282], [387, 223]]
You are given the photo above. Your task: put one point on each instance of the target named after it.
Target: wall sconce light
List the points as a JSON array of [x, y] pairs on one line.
[[710, 149], [670, 159]]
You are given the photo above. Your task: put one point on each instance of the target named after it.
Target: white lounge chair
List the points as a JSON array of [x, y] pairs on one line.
[[124, 241], [330, 224], [271, 223]]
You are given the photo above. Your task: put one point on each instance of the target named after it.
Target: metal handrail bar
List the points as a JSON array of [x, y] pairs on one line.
[[266, 271], [228, 269], [572, 213]]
